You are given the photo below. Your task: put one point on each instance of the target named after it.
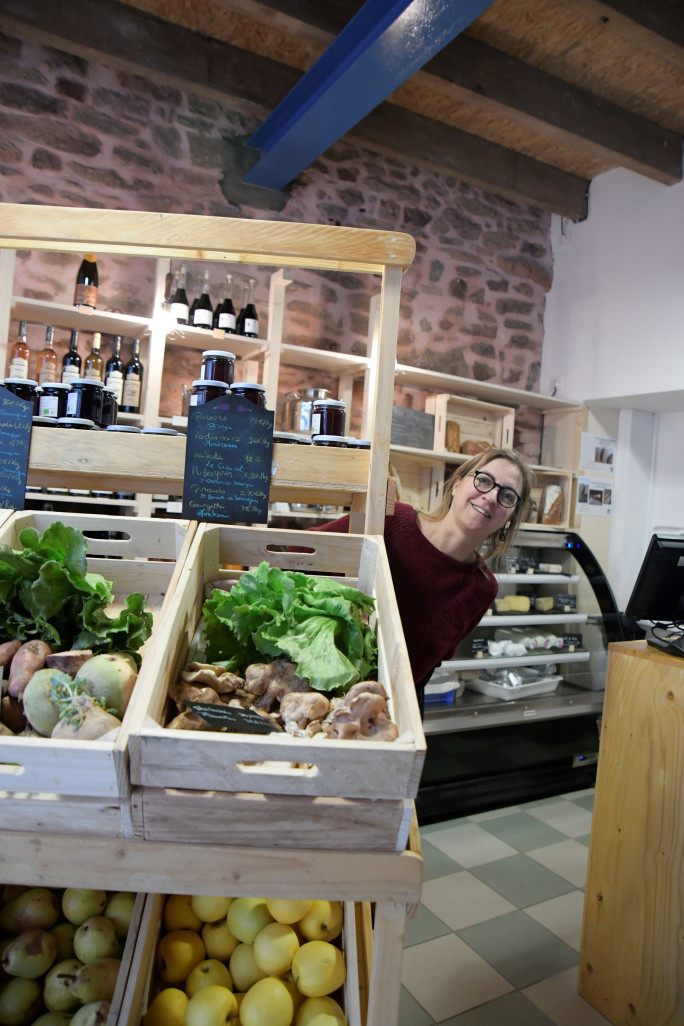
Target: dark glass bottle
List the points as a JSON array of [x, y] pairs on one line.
[[132, 381], [87, 280], [248, 314], [203, 314], [92, 368], [71, 361], [240, 319], [46, 367], [224, 314], [114, 370], [179, 299]]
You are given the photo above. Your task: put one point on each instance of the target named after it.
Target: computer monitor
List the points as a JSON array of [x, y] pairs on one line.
[[658, 594]]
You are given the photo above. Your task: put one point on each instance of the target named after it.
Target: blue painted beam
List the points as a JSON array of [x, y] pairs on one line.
[[384, 44]]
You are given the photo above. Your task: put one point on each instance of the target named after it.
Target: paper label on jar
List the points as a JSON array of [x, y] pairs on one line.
[[202, 318], [315, 423], [227, 321], [69, 373], [72, 404], [131, 390], [18, 368], [48, 406], [251, 326], [115, 380]]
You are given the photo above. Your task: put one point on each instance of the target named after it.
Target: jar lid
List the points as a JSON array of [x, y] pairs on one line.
[[209, 383], [330, 438], [329, 402], [359, 443], [129, 428], [54, 384], [87, 381], [287, 436], [45, 421], [159, 431], [248, 384], [20, 381], [80, 422], [218, 352]]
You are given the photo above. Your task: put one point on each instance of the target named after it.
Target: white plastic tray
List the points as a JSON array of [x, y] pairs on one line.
[[493, 690]]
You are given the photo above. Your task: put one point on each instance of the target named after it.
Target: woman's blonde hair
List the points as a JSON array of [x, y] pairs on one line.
[[497, 543]]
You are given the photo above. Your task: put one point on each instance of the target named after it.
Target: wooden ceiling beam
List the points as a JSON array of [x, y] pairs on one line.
[[654, 25]]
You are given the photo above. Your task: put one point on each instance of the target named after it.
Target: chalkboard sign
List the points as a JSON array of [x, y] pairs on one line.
[[233, 718], [566, 603], [413, 428], [228, 462], [15, 440]]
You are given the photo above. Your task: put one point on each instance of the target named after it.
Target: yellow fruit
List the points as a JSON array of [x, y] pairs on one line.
[[267, 1003], [314, 1006], [296, 995], [274, 948], [167, 1009], [218, 940], [209, 908], [243, 969], [323, 1019], [178, 953], [209, 971], [210, 1006], [178, 914], [322, 922], [318, 968], [285, 911], [246, 916]]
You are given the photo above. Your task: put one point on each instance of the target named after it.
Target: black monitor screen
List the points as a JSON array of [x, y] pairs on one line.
[[658, 594]]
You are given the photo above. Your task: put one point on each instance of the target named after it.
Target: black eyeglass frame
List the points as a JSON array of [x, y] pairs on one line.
[[495, 484]]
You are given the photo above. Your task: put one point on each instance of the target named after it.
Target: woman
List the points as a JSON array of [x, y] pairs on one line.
[[437, 560]]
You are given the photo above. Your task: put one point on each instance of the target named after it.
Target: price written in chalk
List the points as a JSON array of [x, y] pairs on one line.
[[15, 440]]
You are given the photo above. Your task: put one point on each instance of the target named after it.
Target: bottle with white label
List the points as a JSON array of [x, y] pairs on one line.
[[203, 314], [132, 381], [179, 299], [71, 361], [47, 358], [20, 354], [248, 315], [114, 370], [224, 314]]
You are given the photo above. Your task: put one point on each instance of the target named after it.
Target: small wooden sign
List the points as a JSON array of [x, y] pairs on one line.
[[16, 416], [228, 459], [234, 718]]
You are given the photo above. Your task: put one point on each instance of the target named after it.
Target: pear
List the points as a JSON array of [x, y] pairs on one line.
[[119, 909], [20, 1002], [30, 955], [12, 891], [79, 904], [95, 1013], [36, 907], [64, 935], [56, 993], [95, 982], [95, 939], [110, 677], [53, 1019]]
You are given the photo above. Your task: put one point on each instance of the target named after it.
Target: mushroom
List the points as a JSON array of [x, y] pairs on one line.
[[273, 680], [362, 715], [216, 677], [188, 720], [298, 709], [181, 692]]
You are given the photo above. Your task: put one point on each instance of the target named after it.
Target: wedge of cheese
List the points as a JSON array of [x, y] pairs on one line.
[[543, 603], [519, 603], [502, 605]]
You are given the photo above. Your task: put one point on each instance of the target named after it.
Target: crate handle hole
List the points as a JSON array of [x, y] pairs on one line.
[[290, 548], [12, 768], [279, 768], [107, 535]]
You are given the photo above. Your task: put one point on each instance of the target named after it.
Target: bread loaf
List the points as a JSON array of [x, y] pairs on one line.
[[552, 510], [473, 448], [452, 438]]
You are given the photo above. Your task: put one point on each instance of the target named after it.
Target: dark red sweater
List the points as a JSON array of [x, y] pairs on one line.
[[440, 600]]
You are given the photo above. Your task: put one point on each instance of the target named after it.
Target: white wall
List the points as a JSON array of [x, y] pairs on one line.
[[614, 338]]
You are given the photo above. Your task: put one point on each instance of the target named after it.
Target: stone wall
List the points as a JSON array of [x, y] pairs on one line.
[[77, 133]]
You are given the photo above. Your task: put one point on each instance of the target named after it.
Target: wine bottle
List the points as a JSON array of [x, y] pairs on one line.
[[179, 299], [20, 354], [250, 321], [71, 361], [46, 370], [132, 381], [114, 370], [92, 368], [224, 314], [240, 319], [203, 312], [85, 293]]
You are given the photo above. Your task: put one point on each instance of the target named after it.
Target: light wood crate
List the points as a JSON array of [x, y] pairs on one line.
[[251, 776], [143, 983], [478, 421], [83, 787]]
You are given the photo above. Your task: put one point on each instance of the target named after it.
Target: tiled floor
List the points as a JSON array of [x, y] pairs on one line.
[[496, 939]]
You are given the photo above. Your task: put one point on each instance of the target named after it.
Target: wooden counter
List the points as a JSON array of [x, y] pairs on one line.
[[632, 949]]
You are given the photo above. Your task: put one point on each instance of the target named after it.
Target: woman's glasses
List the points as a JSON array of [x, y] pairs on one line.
[[505, 496]]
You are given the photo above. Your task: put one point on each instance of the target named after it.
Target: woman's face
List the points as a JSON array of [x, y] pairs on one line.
[[481, 512]]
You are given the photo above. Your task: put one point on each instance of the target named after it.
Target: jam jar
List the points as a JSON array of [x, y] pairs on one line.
[[204, 391], [333, 441], [52, 400], [248, 390], [81, 423], [218, 365], [24, 388], [110, 406], [327, 417], [85, 399]]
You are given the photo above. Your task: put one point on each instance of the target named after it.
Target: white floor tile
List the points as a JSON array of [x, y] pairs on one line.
[[447, 977], [557, 997], [470, 845], [461, 900], [565, 816], [562, 916], [566, 858]]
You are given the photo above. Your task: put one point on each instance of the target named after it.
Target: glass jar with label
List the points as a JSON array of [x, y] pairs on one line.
[[218, 365], [110, 405], [24, 388], [328, 417], [85, 399], [252, 392], [332, 441], [52, 400], [204, 391]]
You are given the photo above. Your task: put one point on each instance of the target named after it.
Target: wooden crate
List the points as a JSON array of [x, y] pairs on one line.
[[83, 786], [477, 421], [254, 773], [142, 984]]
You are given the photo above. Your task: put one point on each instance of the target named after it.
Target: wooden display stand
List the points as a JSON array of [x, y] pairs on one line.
[[631, 955]]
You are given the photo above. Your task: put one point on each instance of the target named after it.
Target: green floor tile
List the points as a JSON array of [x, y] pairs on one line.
[[519, 948]]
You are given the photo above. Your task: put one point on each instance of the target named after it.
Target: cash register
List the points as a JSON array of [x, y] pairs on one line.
[[658, 594]]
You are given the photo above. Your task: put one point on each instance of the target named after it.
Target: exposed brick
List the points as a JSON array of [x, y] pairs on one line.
[[511, 322], [526, 267], [347, 174], [169, 140], [436, 270], [10, 46], [481, 330], [46, 160], [126, 104], [458, 288], [523, 288], [104, 124], [483, 371], [477, 297], [497, 286], [465, 271], [466, 228], [484, 349], [31, 101], [522, 342], [129, 158], [155, 90], [69, 61], [416, 216], [351, 197], [100, 176], [518, 306], [71, 89], [58, 135], [10, 153]]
